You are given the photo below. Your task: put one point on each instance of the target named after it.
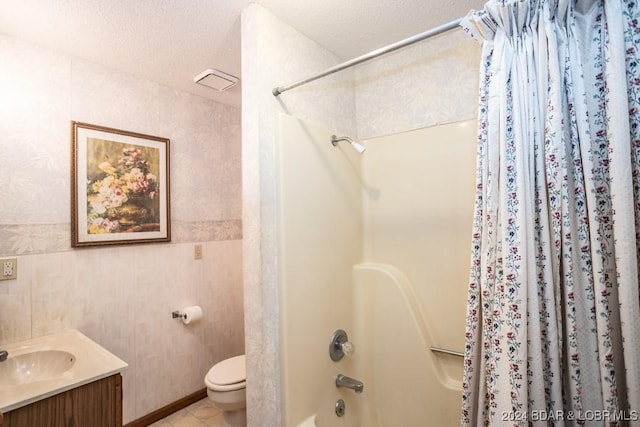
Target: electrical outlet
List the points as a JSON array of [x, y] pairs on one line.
[[197, 252], [9, 268]]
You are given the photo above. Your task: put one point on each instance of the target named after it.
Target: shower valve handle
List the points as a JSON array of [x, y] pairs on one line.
[[348, 348], [340, 345]]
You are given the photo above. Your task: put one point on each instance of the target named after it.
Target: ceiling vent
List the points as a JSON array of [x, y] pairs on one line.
[[216, 79]]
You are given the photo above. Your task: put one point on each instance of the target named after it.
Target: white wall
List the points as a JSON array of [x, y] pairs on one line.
[[418, 216], [274, 54], [419, 213], [121, 297], [319, 241]]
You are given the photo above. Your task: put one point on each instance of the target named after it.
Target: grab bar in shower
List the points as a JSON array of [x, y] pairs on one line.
[[445, 351]]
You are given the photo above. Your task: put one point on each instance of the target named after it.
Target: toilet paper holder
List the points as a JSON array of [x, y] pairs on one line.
[[178, 314], [188, 314]]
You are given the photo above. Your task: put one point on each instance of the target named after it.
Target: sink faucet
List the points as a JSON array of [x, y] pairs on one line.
[[355, 385], [3, 355]]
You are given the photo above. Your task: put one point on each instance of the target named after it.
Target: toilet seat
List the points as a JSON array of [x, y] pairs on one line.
[[228, 375]]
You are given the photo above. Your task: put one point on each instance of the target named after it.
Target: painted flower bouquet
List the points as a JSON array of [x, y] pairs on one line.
[[124, 196]]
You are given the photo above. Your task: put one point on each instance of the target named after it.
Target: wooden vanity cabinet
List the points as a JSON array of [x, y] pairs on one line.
[[97, 404]]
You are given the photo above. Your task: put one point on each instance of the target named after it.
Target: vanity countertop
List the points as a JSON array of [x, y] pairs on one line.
[[29, 378]]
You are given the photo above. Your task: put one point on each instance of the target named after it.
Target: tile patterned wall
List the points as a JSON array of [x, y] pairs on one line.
[[121, 297]]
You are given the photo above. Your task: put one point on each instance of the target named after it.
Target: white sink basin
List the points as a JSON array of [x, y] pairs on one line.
[[44, 366], [35, 366]]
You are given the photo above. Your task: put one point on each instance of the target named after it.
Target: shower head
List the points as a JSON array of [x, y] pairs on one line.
[[356, 146]]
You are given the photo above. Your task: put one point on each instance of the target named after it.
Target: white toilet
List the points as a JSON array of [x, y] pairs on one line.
[[226, 387]]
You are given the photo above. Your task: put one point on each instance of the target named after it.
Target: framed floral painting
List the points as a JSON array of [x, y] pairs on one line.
[[120, 187]]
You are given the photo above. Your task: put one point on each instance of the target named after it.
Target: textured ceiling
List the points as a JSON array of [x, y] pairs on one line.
[[171, 41]]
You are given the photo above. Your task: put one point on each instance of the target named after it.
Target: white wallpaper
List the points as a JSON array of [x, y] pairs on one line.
[[122, 296], [35, 136], [34, 162], [432, 82]]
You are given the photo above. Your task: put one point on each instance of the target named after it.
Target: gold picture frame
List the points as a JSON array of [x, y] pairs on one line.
[[119, 187]]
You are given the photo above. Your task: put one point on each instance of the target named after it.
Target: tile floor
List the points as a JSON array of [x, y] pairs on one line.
[[199, 414]]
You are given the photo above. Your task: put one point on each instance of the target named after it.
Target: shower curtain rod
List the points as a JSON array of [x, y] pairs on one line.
[[371, 55]]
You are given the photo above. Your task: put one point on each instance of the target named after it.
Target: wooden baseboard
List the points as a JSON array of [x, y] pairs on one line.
[[165, 411]]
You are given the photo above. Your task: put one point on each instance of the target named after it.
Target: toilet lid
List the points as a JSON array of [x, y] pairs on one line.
[[229, 371]]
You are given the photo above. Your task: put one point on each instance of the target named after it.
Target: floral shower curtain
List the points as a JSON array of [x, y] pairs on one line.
[[553, 323]]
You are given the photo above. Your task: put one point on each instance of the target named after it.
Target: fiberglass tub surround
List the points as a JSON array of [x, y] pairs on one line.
[[388, 265], [44, 366]]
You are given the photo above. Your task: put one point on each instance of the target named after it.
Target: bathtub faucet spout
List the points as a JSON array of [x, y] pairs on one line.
[[355, 385], [3, 355]]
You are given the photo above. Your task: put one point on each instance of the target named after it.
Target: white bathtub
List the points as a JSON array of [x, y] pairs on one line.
[[308, 422], [404, 382]]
